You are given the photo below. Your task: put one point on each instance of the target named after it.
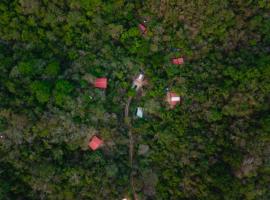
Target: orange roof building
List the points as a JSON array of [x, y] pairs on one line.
[[173, 99], [95, 143], [101, 83], [142, 28], [178, 61]]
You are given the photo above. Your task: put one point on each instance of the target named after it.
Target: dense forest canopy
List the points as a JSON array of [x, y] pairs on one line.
[[215, 145]]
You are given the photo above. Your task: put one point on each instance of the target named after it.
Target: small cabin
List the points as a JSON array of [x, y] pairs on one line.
[[173, 99], [178, 61], [101, 83], [140, 77], [138, 82], [139, 112], [142, 28], [95, 143]]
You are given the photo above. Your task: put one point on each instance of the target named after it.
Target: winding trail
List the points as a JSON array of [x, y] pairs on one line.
[[131, 147]]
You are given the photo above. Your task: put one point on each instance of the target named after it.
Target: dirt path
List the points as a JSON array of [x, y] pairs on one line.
[[128, 123], [131, 147]]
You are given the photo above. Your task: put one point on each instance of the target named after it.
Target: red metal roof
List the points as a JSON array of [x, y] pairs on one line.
[[95, 143], [173, 99], [142, 28], [178, 61], [101, 83]]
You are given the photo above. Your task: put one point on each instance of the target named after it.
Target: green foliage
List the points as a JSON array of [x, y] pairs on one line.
[[63, 86], [3, 124], [52, 69], [41, 90], [213, 146], [26, 68], [61, 92], [130, 34]]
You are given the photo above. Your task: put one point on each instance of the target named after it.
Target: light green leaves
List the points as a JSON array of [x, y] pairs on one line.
[[41, 91]]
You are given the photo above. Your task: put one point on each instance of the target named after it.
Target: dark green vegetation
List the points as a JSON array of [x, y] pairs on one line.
[[214, 146]]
